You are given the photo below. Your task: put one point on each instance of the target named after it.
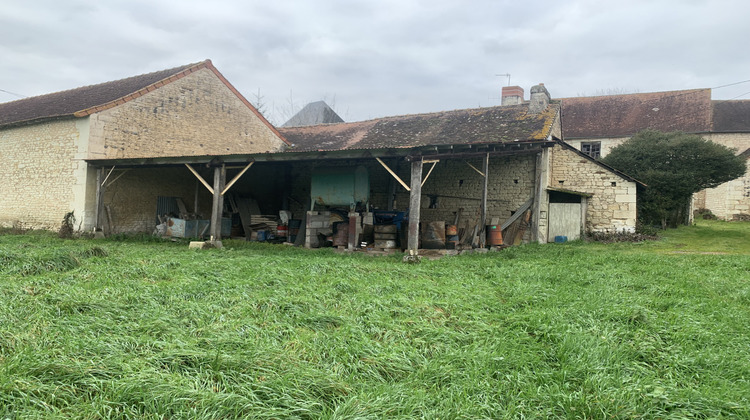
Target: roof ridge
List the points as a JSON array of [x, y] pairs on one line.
[[662, 92], [104, 83], [179, 73], [435, 113]]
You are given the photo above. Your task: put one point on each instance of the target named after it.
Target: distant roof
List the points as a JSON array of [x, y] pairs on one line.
[[468, 126], [731, 116], [625, 115], [314, 113], [84, 101]]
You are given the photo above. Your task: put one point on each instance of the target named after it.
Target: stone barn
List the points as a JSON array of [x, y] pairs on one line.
[[47, 141], [183, 144]]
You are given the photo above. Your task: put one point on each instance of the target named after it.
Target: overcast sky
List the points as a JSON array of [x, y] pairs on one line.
[[376, 58]]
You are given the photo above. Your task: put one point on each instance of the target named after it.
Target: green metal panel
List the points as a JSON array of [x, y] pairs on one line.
[[340, 186]]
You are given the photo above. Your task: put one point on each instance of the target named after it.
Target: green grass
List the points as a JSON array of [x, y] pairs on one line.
[[137, 329]]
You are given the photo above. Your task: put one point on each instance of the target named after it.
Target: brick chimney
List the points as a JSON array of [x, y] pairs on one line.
[[512, 95], [539, 99]]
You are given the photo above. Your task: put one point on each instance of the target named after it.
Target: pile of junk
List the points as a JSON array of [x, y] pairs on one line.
[[340, 216]]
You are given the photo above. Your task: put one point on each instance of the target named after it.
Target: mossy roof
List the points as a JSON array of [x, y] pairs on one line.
[[502, 124]]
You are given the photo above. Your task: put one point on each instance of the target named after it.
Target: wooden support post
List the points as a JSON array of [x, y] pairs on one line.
[[483, 226], [415, 201], [220, 174], [541, 200], [391, 194], [195, 202], [98, 210]]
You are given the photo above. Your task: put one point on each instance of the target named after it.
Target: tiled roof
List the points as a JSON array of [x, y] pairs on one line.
[[731, 116], [469, 126], [88, 99], [625, 115], [314, 113]]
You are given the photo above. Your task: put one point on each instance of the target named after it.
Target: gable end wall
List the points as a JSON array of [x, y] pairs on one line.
[[611, 208], [196, 115]]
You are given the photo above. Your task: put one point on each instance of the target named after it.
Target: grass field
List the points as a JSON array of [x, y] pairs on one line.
[[148, 329]]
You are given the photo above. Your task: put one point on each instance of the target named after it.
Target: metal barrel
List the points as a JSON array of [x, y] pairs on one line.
[[494, 235]]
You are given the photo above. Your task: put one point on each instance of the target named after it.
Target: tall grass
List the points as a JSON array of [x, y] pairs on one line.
[[132, 329]]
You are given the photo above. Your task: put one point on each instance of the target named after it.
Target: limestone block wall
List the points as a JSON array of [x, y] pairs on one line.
[[607, 144], [39, 172], [612, 207], [453, 184], [133, 197], [731, 199], [195, 115]]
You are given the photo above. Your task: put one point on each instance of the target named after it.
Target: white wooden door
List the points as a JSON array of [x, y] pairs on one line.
[[564, 220]]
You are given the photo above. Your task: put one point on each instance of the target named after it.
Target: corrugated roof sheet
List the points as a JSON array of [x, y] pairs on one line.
[[731, 116], [468, 126], [625, 115], [70, 102]]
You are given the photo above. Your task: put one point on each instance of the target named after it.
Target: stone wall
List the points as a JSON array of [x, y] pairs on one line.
[[132, 198], [730, 200], [195, 115], [612, 206], [39, 172], [607, 143]]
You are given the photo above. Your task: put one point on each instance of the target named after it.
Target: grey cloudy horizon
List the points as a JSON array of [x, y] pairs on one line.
[[373, 59]]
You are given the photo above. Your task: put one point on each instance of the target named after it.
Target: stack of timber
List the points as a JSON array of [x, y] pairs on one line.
[[267, 223], [385, 236]]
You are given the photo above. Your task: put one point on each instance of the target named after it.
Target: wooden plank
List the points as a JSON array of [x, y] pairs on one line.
[[99, 194], [108, 174], [522, 227], [243, 208], [124, 171], [200, 178], [403, 184], [429, 172], [525, 206], [474, 168], [110, 223], [415, 202], [181, 207], [236, 178]]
